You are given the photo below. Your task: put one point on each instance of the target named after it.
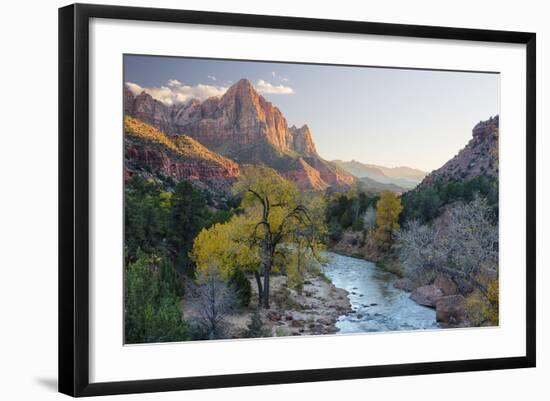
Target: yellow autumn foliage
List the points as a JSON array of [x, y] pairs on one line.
[[484, 310], [226, 247], [237, 244], [388, 209]]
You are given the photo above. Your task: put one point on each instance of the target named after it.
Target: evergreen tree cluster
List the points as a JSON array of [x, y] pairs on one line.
[[161, 222], [424, 204], [345, 210]]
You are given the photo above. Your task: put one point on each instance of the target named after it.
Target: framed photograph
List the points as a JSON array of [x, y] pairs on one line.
[[250, 199]]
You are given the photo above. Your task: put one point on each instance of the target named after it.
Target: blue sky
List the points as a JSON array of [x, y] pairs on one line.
[[391, 117]]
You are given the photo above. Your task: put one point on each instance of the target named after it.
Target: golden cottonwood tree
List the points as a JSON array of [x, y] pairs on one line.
[[388, 209], [277, 224]]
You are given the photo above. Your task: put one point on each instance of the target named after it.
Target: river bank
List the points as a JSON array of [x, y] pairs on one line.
[[314, 310], [351, 295], [442, 294], [357, 244]]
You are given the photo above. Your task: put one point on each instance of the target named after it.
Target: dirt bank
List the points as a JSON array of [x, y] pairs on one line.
[[314, 310]]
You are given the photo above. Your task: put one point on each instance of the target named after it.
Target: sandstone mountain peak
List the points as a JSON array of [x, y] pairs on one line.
[[241, 88], [302, 141], [243, 83], [245, 127]]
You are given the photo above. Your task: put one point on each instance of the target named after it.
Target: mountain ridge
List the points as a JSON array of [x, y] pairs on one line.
[[401, 176], [243, 126], [151, 153], [478, 157]]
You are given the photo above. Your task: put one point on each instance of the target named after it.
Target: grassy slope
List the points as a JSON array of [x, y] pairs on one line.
[[182, 145]]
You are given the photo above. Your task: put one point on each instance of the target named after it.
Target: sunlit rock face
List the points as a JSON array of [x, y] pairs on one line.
[[301, 140], [152, 154], [243, 126], [478, 157]]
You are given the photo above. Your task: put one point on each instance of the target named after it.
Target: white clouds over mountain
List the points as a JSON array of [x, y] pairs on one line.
[[175, 92], [268, 88]]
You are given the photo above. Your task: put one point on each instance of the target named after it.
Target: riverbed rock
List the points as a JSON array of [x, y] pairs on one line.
[[445, 284], [450, 309], [318, 328], [426, 295], [273, 316], [330, 330], [404, 284]]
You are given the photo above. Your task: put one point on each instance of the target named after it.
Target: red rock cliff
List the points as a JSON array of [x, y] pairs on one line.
[[242, 125], [149, 152]]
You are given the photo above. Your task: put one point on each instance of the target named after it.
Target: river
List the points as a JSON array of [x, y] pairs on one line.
[[376, 304]]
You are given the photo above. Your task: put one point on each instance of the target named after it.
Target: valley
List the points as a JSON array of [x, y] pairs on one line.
[[236, 227]]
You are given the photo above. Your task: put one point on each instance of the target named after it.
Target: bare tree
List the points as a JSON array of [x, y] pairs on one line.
[[420, 251], [464, 245], [271, 236], [214, 299]]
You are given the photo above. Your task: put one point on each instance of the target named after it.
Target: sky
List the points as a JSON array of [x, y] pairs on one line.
[[386, 116]]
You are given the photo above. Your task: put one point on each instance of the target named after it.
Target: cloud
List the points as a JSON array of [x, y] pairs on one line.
[[212, 77], [268, 88], [279, 77], [173, 82], [175, 92]]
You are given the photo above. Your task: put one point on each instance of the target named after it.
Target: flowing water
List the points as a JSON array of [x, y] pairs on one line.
[[377, 305]]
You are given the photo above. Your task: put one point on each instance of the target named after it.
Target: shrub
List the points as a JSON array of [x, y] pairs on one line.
[[240, 283], [151, 305], [335, 231], [357, 225], [214, 300], [483, 310], [255, 327]]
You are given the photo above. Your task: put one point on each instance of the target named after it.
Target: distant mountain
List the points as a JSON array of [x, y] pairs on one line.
[[151, 153], [479, 157], [243, 126], [403, 177], [375, 186]]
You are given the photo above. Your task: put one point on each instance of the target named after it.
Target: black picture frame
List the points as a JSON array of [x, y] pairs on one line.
[[74, 198]]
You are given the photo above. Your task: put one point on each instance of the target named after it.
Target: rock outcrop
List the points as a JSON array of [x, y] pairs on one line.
[[305, 176], [426, 295], [445, 284], [240, 117], [301, 140], [148, 110], [450, 310], [243, 126], [150, 152], [478, 157], [405, 284], [443, 295]]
